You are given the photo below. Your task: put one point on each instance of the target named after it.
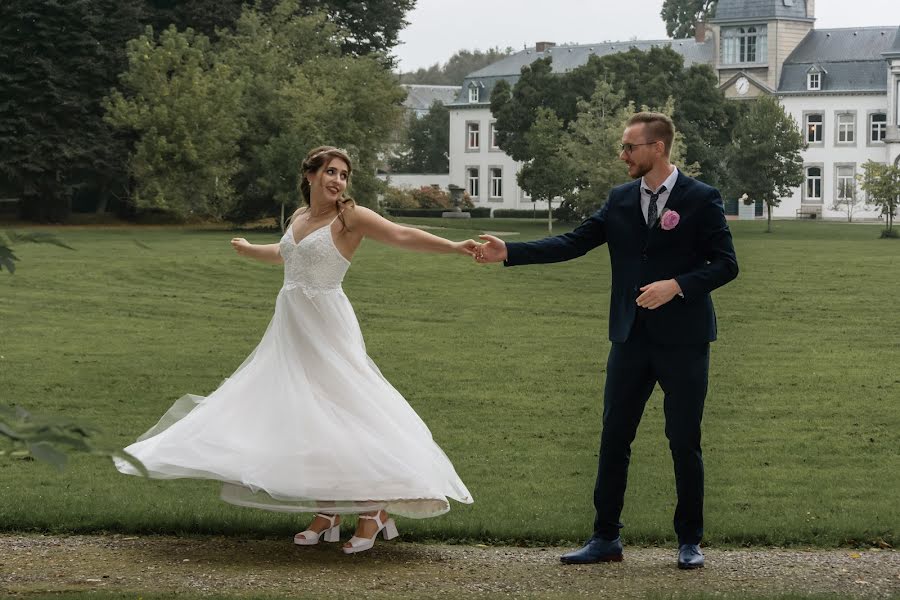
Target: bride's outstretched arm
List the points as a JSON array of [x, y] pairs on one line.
[[267, 253], [378, 228]]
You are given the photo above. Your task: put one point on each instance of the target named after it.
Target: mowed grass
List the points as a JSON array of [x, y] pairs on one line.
[[506, 365]]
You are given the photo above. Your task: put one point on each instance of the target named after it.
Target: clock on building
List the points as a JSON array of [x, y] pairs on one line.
[[742, 86]]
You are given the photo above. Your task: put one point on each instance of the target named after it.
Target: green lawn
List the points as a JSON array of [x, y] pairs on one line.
[[802, 423]]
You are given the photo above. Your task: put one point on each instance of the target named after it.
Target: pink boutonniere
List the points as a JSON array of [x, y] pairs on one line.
[[669, 220]]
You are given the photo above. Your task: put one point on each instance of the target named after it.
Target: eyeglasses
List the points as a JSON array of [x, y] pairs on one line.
[[628, 148]]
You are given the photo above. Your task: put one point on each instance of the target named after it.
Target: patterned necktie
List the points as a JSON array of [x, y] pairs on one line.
[[652, 209]]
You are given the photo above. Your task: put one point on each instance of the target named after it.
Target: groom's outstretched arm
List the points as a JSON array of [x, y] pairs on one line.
[[587, 236]]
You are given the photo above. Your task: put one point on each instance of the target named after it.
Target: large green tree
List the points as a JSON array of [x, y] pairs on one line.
[[881, 183], [58, 59], [241, 113], [455, 70], [426, 143], [680, 16], [765, 157], [185, 106]]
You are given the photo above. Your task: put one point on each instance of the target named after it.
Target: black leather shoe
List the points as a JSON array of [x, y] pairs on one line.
[[690, 556], [596, 550]]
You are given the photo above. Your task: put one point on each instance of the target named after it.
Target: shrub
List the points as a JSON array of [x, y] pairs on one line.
[[397, 198], [431, 197]]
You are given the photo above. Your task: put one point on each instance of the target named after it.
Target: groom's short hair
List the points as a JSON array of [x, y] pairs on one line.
[[659, 126]]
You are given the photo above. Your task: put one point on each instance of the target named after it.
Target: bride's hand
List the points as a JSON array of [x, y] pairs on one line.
[[467, 247], [240, 245]]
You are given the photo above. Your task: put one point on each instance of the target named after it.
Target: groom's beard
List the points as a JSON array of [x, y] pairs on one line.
[[637, 171]]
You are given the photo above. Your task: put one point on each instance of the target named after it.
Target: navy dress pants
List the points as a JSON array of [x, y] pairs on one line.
[[633, 369]]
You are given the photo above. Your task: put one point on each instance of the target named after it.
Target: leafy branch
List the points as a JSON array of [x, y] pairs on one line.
[[50, 439]]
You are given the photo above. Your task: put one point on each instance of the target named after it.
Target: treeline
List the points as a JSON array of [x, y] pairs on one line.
[[199, 108]]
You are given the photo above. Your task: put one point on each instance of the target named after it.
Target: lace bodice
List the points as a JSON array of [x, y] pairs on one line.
[[314, 265]]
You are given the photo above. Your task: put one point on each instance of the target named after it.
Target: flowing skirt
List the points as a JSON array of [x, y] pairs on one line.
[[306, 424]]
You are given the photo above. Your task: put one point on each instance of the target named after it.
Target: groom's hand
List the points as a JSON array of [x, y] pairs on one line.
[[658, 293], [492, 250]]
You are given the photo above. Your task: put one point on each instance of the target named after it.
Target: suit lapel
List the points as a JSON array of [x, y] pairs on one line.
[[676, 198]]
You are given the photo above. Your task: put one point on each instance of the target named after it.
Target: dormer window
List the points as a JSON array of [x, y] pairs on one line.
[[474, 93], [744, 44], [814, 78], [813, 81]]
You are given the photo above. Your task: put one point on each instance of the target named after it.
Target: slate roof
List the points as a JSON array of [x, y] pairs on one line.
[[853, 60], [895, 49], [566, 58], [420, 97], [746, 10]]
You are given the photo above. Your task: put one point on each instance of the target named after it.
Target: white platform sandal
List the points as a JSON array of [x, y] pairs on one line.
[[361, 544], [331, 534]]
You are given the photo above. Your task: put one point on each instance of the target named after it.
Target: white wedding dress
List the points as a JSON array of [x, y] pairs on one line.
[[307, 423]]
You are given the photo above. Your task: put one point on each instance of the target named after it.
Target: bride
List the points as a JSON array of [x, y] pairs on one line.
[[308, 423]]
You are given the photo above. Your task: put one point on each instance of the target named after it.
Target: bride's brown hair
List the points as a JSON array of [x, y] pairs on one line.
[[315, 160]]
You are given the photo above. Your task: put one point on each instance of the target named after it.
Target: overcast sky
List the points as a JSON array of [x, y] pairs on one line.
[[438, 28]]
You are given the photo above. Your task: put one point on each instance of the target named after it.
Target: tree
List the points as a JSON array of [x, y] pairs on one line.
[[455, 70], [185, 107], [680, 16], [548, 174], [222, 126], [427, 143], [54, 139], [765, 158], [371, 27], [848, 200], [881, 183], [516, 108]]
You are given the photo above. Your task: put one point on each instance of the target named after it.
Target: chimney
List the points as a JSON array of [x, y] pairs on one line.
[[700, 31], [543, 46]]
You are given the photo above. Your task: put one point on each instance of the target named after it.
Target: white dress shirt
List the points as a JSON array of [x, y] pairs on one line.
[[663, 197]]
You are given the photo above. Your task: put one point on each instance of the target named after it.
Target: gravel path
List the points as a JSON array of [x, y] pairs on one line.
[[217, 565]]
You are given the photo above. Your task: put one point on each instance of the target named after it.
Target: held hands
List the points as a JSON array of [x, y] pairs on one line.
[[467, 247], [492, 250], [658, 293], [241, 246]]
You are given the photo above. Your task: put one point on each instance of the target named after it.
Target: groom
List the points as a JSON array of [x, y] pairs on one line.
[[669, 247]]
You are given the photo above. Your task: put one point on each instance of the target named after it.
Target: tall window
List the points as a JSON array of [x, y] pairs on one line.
[[473, 131], [846, 182], [814, 128], [747, 44], [846, 128], [473, 93], [877, 127], [814, 183], [472, 183], [496, 182], [494, 145], [813, 81]]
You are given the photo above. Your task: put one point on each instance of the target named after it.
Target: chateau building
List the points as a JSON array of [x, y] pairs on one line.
[[842, 86]]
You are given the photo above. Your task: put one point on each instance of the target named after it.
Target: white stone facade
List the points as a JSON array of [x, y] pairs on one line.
[[832, 155], [487, 173]]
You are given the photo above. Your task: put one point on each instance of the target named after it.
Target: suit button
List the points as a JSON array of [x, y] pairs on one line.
[[644, 257]]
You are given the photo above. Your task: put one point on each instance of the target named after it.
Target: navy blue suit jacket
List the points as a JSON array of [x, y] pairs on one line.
[[698, 254]]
